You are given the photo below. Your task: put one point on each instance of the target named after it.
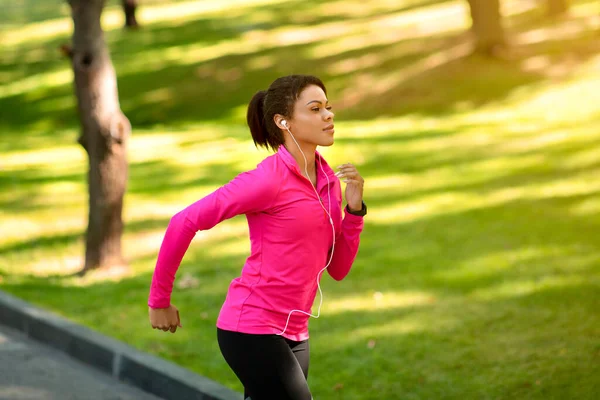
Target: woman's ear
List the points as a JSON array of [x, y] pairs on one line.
[[281, 122]]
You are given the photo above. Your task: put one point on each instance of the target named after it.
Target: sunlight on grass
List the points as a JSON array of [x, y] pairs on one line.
[[418, 322], [368, 86], [423, 22], [563, 30], [201, 146], [112, 18], [189, 10], [41, 220], [521, 261], [481, 180], [47, 80], [39, 30], [73, 156], [455, 202], [357, 8], [377, 300], [137, 245], [239, 247], [589, 208], [396, 326], [356, 34], [53, 265], [528, 287], [32, 224], [189, 150], [563, 96]]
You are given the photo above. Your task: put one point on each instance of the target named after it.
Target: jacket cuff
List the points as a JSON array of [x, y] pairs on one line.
[[360, 213], [159, 303]]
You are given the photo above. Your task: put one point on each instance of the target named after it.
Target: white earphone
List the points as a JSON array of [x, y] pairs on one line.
[[284, 123]]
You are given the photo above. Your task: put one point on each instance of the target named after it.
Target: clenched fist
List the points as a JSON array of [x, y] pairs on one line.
[[354, 185], [166, 319]]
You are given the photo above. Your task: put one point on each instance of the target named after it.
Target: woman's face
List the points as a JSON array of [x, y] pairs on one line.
[[312, 122]]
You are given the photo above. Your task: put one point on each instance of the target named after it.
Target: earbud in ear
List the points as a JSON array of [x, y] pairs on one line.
[[284, 122]]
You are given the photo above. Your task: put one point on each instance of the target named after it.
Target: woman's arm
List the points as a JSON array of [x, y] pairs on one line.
[[249, 192], [347, 241], [346, 246]]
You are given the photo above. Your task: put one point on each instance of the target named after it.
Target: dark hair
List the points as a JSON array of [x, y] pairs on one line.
[[278, 99]]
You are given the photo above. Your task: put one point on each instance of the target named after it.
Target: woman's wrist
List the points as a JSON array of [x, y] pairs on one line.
[[360, 211], [355, 207]]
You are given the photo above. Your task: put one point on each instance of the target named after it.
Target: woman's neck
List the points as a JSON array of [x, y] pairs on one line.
[[309, 153]]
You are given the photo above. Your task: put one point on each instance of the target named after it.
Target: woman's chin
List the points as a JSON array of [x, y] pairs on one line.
[[327, 142]]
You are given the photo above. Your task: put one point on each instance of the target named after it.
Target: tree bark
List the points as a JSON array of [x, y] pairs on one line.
[[129, 7], [557, 7], [104, 135], [487, 26]]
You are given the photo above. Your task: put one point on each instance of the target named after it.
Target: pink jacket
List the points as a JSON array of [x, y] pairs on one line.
[[291, 240]]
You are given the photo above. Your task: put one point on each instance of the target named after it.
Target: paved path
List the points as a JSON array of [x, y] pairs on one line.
[[32, 371]]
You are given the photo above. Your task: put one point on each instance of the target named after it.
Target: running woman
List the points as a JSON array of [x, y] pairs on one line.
[[298, 229]]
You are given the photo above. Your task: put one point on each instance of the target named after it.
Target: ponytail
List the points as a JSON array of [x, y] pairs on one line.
[[256, 119]]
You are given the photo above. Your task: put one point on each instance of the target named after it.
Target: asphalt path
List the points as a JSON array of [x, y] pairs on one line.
[[31, 371]]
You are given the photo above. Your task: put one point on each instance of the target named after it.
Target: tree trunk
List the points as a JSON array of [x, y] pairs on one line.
[[557, 7], [129, 7], [104, 135], [487, 26]]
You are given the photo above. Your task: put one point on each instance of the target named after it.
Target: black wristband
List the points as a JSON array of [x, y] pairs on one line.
[[360, 213]]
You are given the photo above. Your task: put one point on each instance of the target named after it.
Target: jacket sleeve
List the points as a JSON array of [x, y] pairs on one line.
[[249, 192], [346, 246]]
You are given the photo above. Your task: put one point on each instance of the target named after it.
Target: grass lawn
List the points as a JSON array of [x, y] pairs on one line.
[[478, 275]]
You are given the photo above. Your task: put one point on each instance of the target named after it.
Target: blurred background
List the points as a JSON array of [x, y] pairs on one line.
[[474, 124]]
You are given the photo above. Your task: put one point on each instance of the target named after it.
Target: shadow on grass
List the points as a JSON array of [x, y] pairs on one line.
[[535, 344], [163, 177], [164, 92], [513, 283], [50, 242], [146, 177], [533, 313], [508, 284]]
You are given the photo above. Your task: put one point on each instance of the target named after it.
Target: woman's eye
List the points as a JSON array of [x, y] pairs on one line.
[[329, 108], [316, 109]]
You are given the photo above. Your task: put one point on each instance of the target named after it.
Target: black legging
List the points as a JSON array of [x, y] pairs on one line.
[[270, 367]]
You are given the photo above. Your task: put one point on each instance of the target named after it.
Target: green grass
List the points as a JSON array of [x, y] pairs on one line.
[[478, 275]]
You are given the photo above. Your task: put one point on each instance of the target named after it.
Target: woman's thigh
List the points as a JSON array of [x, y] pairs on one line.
[[301, 351], [266, 365]]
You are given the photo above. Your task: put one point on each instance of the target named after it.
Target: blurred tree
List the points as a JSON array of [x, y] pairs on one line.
[[487, 26], [129, 7], [104, 134], [557, 7]]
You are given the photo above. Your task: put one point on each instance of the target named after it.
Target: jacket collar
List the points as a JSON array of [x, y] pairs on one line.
[[290, 161]]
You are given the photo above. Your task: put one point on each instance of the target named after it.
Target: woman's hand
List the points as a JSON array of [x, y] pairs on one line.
[[354, 185], [166, 319]]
